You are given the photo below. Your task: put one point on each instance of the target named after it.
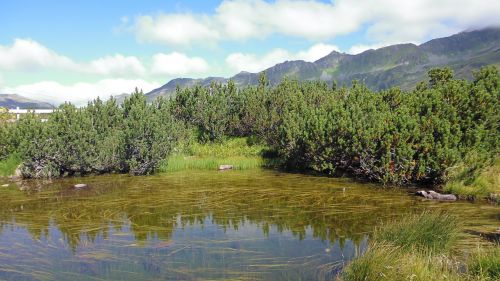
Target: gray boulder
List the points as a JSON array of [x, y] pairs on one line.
[[436, 196]]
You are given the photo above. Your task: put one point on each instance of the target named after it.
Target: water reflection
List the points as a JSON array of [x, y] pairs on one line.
[[183, 226]]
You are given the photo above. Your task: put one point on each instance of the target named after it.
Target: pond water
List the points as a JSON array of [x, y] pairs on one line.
[[202, 225]]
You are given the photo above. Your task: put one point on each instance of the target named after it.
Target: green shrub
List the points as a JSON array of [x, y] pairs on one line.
[[102, 137]]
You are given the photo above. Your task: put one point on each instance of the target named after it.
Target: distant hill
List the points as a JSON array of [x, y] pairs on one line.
[[13, 101], [401, 65]]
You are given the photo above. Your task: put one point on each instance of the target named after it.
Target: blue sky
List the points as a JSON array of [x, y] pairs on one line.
[[77, 50]]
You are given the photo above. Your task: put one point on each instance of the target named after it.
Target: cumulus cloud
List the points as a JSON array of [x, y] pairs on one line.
[[177, 64], [359, 48], [387, 21], [29, 55], [26, 55], [117, 65], [78, 93], [178, 29], [256, 63]]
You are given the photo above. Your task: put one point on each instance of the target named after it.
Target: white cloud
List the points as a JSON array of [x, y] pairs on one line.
[[117, 65], [29, 55], [255, 63], [78, 93], [177, 64], [315, 52], [387, 21], [314, 20], [357, 49], [176, 29]]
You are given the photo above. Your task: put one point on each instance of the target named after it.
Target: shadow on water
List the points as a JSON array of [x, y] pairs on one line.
[[245, 225]]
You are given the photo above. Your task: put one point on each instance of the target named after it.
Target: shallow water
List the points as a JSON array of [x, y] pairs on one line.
[[203, 225]]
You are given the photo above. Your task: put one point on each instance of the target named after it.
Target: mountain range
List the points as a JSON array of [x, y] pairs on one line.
[[402, 65], [13, 101]]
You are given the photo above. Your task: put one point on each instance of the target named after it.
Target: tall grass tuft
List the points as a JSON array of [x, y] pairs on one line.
[[384, 261], [8, 166], [434, 232], [480, 184], [485, 264], [412, 248]]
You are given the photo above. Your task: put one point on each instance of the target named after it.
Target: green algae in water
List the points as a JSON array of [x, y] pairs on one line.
[[203, 225]]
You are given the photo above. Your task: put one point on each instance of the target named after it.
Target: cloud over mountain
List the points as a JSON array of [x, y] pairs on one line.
[[386, 21]]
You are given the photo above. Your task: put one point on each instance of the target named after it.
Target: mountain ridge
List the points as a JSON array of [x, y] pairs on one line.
[[401, 65], [12, 101]]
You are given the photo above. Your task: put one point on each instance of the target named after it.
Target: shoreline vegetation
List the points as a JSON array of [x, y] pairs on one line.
[[444, 133], [238, 152], [420, 247]]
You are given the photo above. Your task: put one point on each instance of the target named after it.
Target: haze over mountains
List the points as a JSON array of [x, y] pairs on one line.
[[401, 65]]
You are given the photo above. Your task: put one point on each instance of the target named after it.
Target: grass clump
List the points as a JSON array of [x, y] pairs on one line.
[[239, 152], [8, 166], [480, 185], [434, 232], [417, 248], [485, 265], [384, 261]]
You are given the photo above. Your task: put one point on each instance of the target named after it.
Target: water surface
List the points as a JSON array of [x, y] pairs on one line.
[[203, 225]]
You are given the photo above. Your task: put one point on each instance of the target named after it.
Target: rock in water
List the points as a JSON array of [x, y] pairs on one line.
[[436, 196], [225, 167], [80, 185]]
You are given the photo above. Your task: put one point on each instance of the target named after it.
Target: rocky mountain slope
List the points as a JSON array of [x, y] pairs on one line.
[[401, 65]]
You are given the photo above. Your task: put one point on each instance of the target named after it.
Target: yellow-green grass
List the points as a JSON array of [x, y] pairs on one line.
[[183, 162], [485, 184], [426, 232], [384, 261], [195, 156], [484, 264], [418, 248], [8, 166]]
